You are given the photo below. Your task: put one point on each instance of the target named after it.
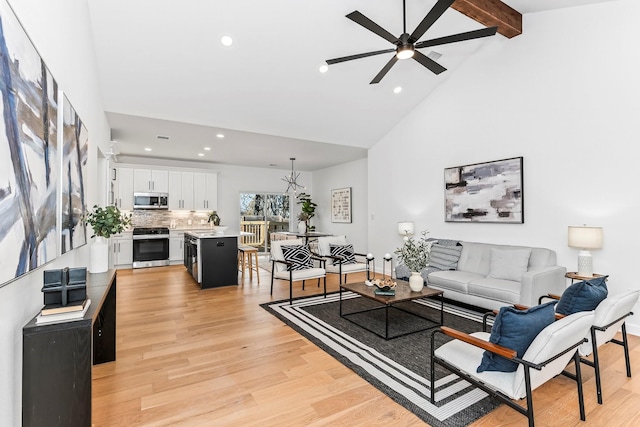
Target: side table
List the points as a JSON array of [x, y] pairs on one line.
[[573, 275]]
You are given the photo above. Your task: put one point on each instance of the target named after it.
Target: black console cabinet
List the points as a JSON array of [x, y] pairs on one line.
[[57, 359]]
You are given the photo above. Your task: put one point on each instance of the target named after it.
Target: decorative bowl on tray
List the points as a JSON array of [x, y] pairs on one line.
[[384, 285]]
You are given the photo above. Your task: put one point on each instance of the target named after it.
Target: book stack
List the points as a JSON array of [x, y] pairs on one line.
[[388, 293], [63, 313]]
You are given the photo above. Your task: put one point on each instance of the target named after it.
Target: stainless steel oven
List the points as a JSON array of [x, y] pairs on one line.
[[150, 247]]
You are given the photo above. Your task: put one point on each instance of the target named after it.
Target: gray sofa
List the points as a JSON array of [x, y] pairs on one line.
[[492, 276]]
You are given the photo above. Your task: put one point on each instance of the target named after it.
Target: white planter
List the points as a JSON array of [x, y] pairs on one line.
[[99, 255], [302, 227], [416, 282]]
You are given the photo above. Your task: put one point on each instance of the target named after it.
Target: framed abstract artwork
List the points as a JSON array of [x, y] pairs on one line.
[[74, 164], [29, 168], [485, 192], [341, 205]]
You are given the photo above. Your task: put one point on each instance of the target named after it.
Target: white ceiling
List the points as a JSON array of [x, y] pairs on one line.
[[163, 71]]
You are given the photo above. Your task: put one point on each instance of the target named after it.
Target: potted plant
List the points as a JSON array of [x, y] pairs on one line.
[[308, 209], [303, 219], [415, 255], [105, 222], [214, 218]]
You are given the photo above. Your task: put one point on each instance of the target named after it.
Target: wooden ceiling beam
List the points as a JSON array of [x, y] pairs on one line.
[[492, 13]]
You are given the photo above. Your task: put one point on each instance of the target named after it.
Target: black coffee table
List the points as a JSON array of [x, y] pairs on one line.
[[402, 294]]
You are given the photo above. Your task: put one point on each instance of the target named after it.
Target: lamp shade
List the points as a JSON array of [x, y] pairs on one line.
[[405, 228], [584, 237]]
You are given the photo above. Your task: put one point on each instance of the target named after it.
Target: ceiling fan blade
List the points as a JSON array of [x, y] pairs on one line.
[[469, 35], [359, 18], [384, 70], [358, 56], [436, 12], [428, 62]]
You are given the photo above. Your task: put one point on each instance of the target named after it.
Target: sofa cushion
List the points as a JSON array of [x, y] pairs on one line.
[[509, 264], [298, 255], [453, 280], [516, 329], [343, 251], [495, 289], [444, 257], [583, 296]]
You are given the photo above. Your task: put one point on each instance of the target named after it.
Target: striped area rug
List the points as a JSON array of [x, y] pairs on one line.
[[398, 367]]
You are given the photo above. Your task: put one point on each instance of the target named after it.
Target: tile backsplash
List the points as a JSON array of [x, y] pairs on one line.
[[162, 218]]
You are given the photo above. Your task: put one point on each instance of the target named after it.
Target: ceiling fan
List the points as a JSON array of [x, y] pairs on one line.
[[407, 44]]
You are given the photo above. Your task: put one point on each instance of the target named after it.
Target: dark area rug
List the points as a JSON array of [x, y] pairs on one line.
[[398, 367]]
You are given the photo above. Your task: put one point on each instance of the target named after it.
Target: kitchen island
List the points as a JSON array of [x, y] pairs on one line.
[[212, 258]]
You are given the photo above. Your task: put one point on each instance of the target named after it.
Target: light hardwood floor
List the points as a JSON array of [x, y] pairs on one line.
[[191, 357]]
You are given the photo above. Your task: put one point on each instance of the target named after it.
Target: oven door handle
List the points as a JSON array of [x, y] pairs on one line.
[[159, 236]]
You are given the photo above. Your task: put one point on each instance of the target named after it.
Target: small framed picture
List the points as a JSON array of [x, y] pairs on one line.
[[341, 205]]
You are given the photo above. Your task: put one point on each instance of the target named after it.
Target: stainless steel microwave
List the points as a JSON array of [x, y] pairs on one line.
[[150, 201]]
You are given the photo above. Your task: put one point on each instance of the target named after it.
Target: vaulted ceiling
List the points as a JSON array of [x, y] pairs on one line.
[[164, 72]]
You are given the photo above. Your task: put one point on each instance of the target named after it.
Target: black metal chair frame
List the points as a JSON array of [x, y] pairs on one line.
[[289, 264], [528, 411]]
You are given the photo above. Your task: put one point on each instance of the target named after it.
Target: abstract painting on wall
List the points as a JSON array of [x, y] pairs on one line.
[[485, 192], [74, 163], [29, 168]]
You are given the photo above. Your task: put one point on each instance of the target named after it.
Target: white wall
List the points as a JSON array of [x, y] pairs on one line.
[[233, 180], [564, 95], [354, 175], [70, 58]]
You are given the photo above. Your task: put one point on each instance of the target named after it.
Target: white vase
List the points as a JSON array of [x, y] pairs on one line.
[[99, 255], [302, 227], [416, 282]]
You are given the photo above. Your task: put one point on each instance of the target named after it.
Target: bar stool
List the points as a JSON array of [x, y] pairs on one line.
[[246, 257]]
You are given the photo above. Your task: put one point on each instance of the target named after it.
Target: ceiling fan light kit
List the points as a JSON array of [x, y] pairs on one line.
[[407, 44]]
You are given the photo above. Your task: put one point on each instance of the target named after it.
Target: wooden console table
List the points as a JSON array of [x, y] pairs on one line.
[[57, 359]]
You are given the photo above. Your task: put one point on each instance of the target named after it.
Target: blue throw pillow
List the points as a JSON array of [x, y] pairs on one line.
[[583, 296], [516, 329]]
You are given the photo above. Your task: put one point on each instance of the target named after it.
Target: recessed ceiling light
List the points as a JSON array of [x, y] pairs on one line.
[[147, 149], [226, 41], [220, 135], [207, 148], [323, 68], [397, 89], [201, 154]]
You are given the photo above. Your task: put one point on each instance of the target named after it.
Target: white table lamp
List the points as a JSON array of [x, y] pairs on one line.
[[406, 229], [585, 238]]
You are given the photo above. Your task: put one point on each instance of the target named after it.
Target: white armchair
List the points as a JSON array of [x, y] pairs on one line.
[[610, 316], [284, 269], [545, 358], [339, 264]]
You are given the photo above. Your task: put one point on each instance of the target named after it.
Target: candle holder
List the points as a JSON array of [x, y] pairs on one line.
[[370, 276], [387, 259]]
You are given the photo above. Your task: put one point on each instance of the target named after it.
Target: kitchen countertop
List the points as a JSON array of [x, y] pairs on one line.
[[210, 234]]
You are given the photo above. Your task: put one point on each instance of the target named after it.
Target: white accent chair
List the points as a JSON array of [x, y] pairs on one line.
[[334, 264], [547, 356], [280, 268], [610, 316]]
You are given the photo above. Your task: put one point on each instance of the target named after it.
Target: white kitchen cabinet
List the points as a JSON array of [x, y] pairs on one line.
[[150, 180], [205, 191], [181, 190], [176, 246], [122, 248], [123, 198]]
